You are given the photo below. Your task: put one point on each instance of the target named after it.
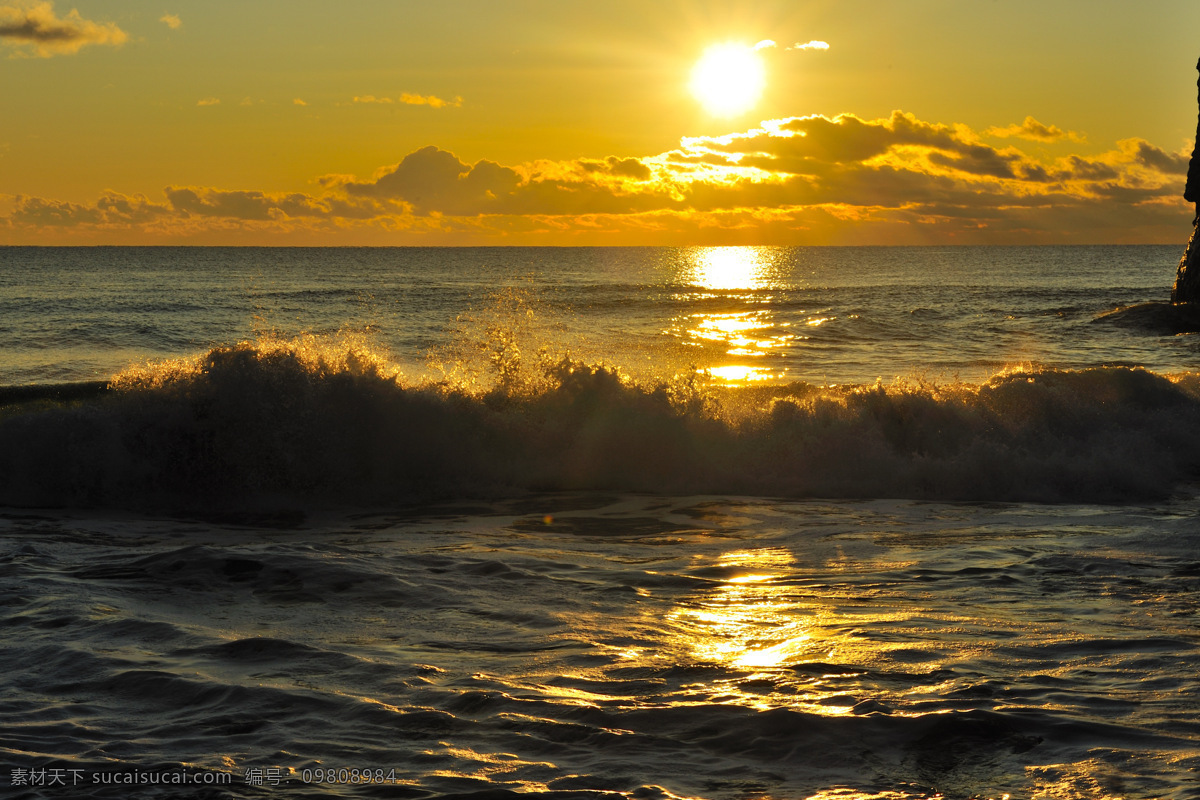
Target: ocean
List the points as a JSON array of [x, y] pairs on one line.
[[598, 523]]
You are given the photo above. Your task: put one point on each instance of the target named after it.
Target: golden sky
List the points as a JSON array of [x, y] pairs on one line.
[[382, 122]]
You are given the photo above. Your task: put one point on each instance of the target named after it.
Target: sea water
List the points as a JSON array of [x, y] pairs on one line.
[[597, 523]]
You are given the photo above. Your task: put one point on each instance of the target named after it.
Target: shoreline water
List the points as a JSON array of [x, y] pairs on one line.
[[626, 646], [634, 534]]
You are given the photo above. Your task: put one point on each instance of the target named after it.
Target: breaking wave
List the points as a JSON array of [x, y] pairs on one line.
[[332, 422]]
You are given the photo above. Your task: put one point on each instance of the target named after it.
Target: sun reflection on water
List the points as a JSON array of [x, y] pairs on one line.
[[780, 644], [749, 622], [731, 267], [737, 275]]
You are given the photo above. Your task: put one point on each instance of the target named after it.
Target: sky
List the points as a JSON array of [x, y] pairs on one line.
[[380, 122]]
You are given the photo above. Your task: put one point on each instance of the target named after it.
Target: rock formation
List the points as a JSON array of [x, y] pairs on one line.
[[1187, 279]]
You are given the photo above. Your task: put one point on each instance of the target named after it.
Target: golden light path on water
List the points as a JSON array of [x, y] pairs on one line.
[[755, 620], [731, 268], [747, 623], [733, 277], [772, 637]]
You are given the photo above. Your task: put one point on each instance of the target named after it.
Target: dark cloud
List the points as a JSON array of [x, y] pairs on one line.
[[432, 179], [1127, 194], [120, 208], [112, 209], [845, 138], [239, 205], [37, 211], [38, 27], [629, 168], [810, 145], [1085, 169], [978, 160], [262, 206], [623, 167], [1154, 158]]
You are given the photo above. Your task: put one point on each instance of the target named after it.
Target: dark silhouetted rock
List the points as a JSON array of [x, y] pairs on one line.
[[1191, 192], [1187, 278]]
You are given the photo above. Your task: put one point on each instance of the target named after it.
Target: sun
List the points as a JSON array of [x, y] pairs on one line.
[[728, 79]]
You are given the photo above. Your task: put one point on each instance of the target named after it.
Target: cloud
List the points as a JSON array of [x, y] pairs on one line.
[[111, 210], [209, 101], [813, 45], [256, 206], [627, 167], [298, 102], [432, 179], [429, 100], [203, 215], [802, 144], [1151, 157], [410, 99], [172, 21], [1035, 131], [35, 25], [904, 169], [435, 181], [809, 179]]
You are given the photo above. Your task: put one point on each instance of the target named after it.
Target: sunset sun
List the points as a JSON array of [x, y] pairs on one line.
[[728, 79]]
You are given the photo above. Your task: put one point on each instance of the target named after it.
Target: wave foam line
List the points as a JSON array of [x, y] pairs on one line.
[[258, 424]]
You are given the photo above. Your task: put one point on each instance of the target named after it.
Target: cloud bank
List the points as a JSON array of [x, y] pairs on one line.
[[35, 27], [795, 180]]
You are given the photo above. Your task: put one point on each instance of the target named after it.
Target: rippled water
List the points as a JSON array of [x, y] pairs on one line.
[[610, 524], [779, 314], [646, 646]]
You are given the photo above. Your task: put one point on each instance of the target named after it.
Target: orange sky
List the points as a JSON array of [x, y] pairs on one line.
[[926, 122]]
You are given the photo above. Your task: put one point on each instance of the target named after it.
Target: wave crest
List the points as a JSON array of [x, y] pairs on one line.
[[332, 421]]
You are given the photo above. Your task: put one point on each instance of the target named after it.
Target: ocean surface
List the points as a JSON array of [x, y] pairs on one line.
[[598, 523]]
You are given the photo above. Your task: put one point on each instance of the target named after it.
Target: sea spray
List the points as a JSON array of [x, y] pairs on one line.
[[332, 421]]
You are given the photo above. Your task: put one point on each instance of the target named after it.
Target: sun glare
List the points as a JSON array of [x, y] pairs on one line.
[[728, 79]]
